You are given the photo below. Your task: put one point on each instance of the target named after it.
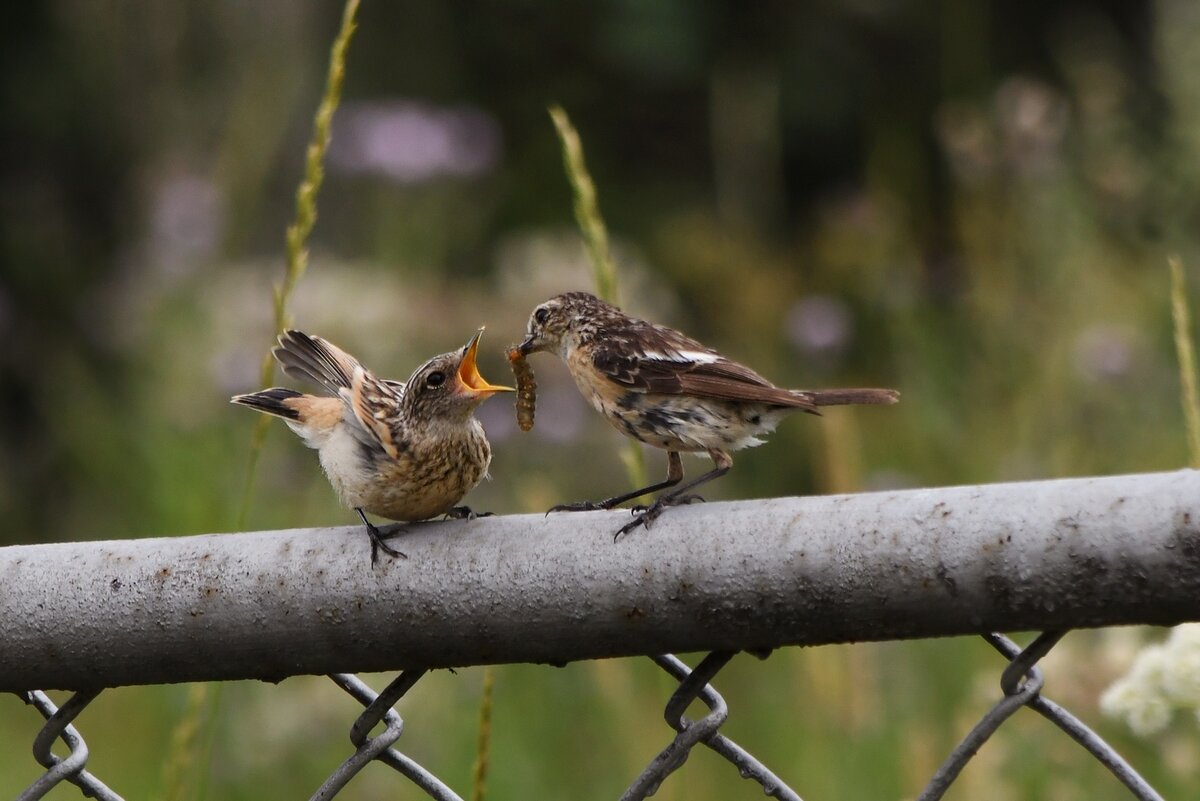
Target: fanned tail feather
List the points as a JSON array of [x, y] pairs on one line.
[[271, 401]]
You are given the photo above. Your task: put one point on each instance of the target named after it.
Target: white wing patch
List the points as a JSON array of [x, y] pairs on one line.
[[682, 356]]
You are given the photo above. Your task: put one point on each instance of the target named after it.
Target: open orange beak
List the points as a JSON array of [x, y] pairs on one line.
[[471, 382]]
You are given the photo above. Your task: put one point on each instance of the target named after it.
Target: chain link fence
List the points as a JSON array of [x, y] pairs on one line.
[[1093, 551]]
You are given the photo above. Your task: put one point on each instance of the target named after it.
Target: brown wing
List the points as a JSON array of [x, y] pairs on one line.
[[376, 405], [653, 358], [373, 403]]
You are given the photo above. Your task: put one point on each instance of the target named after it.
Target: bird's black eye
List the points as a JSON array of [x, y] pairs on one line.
[[541, 315], [435, 379]]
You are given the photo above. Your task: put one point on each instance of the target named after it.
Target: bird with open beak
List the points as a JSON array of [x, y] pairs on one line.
[[404, 451]]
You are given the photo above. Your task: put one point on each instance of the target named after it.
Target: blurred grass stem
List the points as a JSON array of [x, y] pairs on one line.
[[191, 745], [301, 227], [483, 746], [185, 737], [587, 210], [1187, 360], [595, 241]]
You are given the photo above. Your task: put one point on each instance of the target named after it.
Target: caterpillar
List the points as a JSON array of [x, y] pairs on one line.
[[526, 388]]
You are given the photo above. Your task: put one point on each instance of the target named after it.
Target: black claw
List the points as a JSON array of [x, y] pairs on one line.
[[377, 543], [640, 520], [644, 516]]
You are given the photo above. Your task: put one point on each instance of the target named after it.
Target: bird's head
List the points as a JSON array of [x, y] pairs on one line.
[[553, 323], [450, 384]]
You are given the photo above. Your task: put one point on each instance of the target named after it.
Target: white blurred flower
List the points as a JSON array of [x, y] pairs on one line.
[[1181, 679], [1163, 678], [1149, 717], [1022, 131], [1033, 118]]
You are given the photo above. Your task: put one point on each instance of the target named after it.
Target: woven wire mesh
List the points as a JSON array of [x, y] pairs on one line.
[[1021, 684], [69, 768]]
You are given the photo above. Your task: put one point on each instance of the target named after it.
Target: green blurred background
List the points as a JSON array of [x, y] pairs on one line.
[[969, 201]]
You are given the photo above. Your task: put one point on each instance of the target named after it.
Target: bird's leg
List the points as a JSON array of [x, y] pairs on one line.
[[669, 500], [377, 543], [674, 476], [466, 513], [722, 461]]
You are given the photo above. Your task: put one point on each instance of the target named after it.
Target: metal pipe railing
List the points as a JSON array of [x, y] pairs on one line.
[[531, 588]]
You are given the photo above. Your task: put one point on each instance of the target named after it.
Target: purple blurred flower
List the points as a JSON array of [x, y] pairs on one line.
[[820, 325], [1105, 352], [411, 142], [187, 222]]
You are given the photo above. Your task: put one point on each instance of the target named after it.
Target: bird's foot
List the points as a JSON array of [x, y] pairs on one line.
[[667, 500], [466, 513], [642, 516], [377, 545]]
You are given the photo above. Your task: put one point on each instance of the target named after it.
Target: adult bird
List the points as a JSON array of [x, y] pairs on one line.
[[404, 451], [667, 390]]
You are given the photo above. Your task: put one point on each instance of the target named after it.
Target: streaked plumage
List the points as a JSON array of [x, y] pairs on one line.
[[665, 389], [404, 451]]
